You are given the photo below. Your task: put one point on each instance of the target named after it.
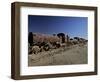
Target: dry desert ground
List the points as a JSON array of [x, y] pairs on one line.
[[76, 54]]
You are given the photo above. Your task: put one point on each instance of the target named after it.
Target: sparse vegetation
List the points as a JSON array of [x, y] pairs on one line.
[[48, 49]]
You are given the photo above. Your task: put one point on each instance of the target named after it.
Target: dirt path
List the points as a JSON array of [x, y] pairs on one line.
[[76, 54]]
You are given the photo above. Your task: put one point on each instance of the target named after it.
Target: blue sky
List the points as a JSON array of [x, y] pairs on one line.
[[73, 26]]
